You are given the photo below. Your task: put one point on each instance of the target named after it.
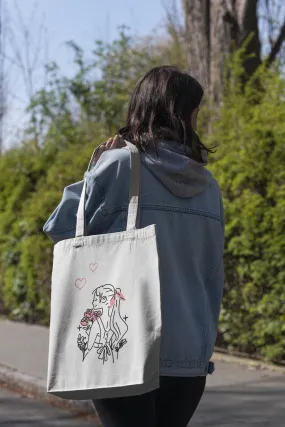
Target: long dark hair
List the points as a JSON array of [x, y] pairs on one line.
[[161, 107]]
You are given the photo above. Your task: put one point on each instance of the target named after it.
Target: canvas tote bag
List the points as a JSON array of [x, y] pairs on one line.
[[105, 308]]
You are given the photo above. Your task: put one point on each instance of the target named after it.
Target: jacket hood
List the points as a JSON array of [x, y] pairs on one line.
[[170, 163]]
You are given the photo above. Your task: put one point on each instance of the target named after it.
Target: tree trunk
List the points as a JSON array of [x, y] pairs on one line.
[[248, 24], [197, 21], [213, 29]]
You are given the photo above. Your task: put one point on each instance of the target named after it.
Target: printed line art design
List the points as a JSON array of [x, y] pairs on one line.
[[102, 328]]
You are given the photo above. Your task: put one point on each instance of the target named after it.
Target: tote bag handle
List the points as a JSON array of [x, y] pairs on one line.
[[134, 193]]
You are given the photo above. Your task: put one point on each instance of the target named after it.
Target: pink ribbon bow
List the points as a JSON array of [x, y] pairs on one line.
[[120, 295]]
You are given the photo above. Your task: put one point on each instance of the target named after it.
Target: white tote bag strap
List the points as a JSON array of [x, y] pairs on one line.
[[135, 188], [80, 222], [134, 201]]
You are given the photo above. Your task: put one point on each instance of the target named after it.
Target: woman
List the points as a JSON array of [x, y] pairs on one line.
[[182, 198]]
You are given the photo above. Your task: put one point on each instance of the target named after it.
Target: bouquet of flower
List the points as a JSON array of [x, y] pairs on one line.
[[89, 317]]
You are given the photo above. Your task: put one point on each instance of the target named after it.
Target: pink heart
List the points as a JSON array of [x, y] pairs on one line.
[[93, 266], [80, 283]]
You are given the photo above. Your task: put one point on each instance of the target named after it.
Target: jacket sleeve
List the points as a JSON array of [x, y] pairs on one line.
[[107, 194], [61, 224]]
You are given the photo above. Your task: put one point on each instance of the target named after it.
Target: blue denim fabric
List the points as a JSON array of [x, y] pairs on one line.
[[190, 237]]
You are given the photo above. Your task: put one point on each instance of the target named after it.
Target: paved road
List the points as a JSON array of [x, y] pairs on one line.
[[253, 404], [17, 411]]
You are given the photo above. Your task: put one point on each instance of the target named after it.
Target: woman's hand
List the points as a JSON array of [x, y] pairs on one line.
[[112, 143]]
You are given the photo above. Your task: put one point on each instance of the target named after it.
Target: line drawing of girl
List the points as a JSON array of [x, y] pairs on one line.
[[103, 324]]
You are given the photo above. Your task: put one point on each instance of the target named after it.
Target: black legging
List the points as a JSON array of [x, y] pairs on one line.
[[172, 405]]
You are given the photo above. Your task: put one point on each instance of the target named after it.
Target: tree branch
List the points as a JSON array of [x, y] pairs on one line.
[[277, 46]]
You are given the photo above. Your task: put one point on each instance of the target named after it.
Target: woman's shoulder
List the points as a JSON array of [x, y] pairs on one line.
[[213, 183], [109, 162], [112, 159], [116, 155], [111, 170]]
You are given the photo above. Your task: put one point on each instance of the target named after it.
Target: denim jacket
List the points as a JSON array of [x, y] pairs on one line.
[[190, 238]]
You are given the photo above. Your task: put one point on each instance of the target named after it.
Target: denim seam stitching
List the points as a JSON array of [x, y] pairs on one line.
[[95, 180], [166, 208], [181, 364], [214, 271], [63, 230]]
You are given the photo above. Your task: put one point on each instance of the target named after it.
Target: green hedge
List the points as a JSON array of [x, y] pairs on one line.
[[249, 165]]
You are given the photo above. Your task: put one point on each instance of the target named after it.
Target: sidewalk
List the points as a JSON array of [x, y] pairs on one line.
[[23, 363]]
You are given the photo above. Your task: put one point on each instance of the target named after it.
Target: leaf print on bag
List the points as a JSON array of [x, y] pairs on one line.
[[104, 326]]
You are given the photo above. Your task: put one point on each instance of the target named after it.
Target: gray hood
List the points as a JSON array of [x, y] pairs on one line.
[[170, 164]]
